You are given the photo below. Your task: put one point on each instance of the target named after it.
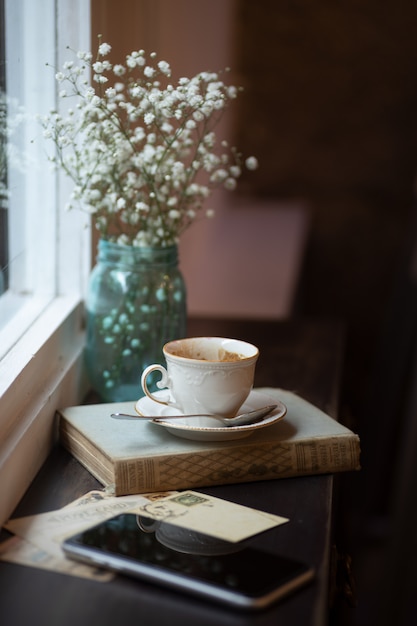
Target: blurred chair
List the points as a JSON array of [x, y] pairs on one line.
[[246, 261]]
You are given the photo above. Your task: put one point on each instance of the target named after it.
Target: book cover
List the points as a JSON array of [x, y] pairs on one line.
[[138, 457]]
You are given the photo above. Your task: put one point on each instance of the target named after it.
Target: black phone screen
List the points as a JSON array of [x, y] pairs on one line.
[[180, 558]]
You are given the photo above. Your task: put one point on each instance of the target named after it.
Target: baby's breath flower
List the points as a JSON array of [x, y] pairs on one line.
[[104, 49], [85, 56], [135, 145], [100, 79], [119, 70], [148, 119], [235, 171], [149, 71], [219, 176], [165, 68], [230, 184], [251, 163], [98, 67]]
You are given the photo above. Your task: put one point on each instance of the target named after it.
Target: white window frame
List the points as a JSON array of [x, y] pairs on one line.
[[42, 341]]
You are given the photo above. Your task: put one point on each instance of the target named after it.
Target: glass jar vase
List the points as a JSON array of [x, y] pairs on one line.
[[136, 302]]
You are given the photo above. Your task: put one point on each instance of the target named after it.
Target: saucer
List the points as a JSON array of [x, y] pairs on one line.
[[205, 428]]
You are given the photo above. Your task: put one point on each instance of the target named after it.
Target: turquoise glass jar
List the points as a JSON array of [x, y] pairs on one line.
[[136, 302]]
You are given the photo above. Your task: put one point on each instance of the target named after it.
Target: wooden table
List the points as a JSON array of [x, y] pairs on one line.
[[304, 356]]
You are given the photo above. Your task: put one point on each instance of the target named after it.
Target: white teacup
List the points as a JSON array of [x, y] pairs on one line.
[[205, 375]]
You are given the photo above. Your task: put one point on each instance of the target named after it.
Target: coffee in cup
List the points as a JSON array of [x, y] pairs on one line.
[[205, 375]]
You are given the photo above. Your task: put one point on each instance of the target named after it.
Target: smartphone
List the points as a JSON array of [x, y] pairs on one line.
[[165, 554]]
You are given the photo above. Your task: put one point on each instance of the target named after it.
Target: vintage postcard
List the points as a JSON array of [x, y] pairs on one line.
[[38, 537], [211, 516], [18, 550], [47, 530]]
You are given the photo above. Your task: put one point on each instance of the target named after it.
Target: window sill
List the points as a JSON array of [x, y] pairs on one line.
[[41, 372], [17, 313]]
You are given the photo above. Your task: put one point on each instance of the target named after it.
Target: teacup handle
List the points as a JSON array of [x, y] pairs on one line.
[[161, 384]]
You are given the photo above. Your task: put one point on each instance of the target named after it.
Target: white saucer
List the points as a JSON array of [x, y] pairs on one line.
[[206, 429]]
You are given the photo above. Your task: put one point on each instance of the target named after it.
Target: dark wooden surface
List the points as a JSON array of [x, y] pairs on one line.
[[304, 356]]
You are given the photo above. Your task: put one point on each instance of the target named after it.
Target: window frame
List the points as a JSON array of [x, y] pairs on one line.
[[42, 366]]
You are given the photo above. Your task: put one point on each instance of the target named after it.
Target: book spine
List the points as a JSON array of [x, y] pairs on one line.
[[241, 464]]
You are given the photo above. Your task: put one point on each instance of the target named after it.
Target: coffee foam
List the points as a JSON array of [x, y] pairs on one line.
[[222, 357]]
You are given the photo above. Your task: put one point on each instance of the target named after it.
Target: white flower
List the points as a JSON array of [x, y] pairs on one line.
[[149, 118], [100, 79], [141, 206], [251, 163], [230, 184], [149, 71], [165, 68], [219, 176], [119, 70], [235, 171], [85, 56], [104, 49]]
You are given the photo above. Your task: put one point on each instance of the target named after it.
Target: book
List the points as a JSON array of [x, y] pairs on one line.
[[132, 457]]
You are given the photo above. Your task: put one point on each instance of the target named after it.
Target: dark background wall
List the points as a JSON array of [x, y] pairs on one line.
[[330, 107]]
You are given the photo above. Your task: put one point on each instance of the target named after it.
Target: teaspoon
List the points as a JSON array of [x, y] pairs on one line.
[[239, 420]]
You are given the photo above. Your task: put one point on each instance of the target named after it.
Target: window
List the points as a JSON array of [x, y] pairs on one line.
[[3, 167], [47, 249]]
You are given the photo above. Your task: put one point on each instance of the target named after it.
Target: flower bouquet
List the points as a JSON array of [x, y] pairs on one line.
[[142, 152]]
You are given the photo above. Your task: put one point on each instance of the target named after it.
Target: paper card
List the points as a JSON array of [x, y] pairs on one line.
[[211, 516], [38, 539], [47, 530], [17, 550]]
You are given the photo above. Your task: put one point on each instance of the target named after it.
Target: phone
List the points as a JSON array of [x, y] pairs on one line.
[[163, 553]]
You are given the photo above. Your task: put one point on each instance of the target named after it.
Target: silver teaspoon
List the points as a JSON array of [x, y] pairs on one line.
[[250, 417]]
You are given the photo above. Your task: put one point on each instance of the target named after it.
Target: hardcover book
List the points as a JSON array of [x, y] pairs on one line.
[[138, 457]]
